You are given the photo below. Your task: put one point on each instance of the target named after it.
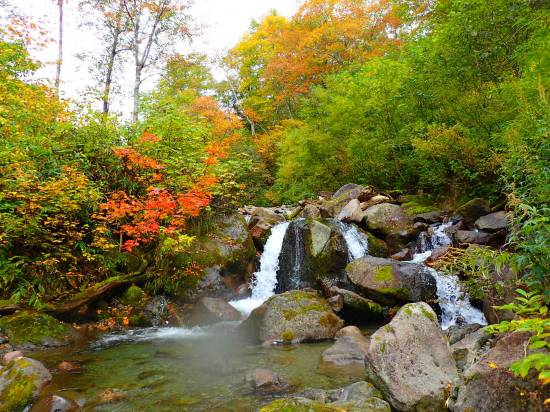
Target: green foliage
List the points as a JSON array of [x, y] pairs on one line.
[[533, 318]]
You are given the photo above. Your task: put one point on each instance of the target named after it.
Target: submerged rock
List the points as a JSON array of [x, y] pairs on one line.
[[348, 351], [55, 403], [30, 330], [20, 383], [293, 316], [489, 386], [390, 282], [266, 382], [410, 361]]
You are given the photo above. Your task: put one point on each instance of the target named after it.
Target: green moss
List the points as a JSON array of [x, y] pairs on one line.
[[33, 328], [297, 405], [388, 328], [408, 311], [19, 392], [415, 205], [329, 320], [430, 315], [384, 274], [133, 294], [287, 335], [289, 314], [383, 347]]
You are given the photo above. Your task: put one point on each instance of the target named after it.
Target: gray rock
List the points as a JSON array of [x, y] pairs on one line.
[[311, 212], [348, 351], [410, 361], [489, 386], [293, 316], [430, 217], [473, 210], [356, 307], [350, 191], [405, 254], [21, 381], [389, 219], [492, 222], [212, 310], [390, 282], [469, 349], [351, 213], [375, 200], [472, 236], [359, 396], [459, 332], [267, 215]]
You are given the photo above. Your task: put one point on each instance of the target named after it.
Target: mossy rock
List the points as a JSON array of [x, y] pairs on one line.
[[133, 295], [416, 204], [377, 247], [27, 329], [20, 383], [292, 317], [297, 405]]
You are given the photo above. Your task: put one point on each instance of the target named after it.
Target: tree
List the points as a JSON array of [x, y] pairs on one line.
[[59, 62], [155, 26]]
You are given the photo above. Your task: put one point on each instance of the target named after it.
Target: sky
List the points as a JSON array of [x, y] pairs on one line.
[[222, 23]]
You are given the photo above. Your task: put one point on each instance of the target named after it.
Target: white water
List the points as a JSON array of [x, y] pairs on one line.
[[264, 281], [455, 304], [356, 242]]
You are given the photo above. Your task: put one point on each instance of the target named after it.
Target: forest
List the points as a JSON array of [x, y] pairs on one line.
[[434, 104]]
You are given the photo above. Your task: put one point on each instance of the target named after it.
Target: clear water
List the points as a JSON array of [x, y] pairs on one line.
[[265, 280], [175, 369], [356, 241], [455, 304]]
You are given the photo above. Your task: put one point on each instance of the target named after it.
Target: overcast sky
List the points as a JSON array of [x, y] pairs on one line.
[[223, 22]]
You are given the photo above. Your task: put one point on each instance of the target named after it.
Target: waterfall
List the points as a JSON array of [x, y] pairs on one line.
[[356, 241], [265, 280], [455, 304]]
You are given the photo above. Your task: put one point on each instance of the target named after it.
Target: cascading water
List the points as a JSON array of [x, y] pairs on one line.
[[265, 280], [356, 242], [455, 304]]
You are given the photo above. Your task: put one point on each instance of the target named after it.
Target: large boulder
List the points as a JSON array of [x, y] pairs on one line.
[[30, 330], [489, 386], [351, 213], [473, 236], [352, 191], [473, 210], [391, 282], [410, 361], [348, 351], [266, 215], [392, 222], [212, 310], [311, 251], [20, 382], [293, 316], [492, 222], [356, 307]]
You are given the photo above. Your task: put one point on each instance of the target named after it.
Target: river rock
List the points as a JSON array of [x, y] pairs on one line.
[[375, 200], [492, 222], [352, 191], [359, 396], [429, 217], [473, 210], [30, 330], [212, 310], [55, 403], [456, 333], [392, 222], [293, 316], [405, 254], [311, 251], [266, 215], [68, 366], [473, 236], [390, 282], [20, 382], [348, 351], [8, 357], [357, 308], [410, 361], [469, 349], [310, 211], [489, 386], [266, 382], [351, 213]]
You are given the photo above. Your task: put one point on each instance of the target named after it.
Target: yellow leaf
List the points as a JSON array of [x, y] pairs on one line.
[[492, 365]]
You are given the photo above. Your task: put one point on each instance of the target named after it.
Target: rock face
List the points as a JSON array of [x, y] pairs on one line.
[[213, 310], [390, 282], [492, 222], [20, 383], [311, 251], [293, 316], [30, 330], [410, 361], [348, 351], [351, 213], [489, 386]]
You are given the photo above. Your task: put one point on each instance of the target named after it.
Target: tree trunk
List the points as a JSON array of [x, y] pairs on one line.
[[109, 74], [137, 83], [60, 48]]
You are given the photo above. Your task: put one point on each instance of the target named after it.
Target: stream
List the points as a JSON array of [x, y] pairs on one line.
[[203, 368]]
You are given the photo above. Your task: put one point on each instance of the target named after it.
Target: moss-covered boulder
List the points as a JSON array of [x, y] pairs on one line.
[[473, 210], [292, 317], [410, 361], [357, 308], [377, 247], [311, 250], [20, 383], [391, 282], [28, 330], [391, 222]]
